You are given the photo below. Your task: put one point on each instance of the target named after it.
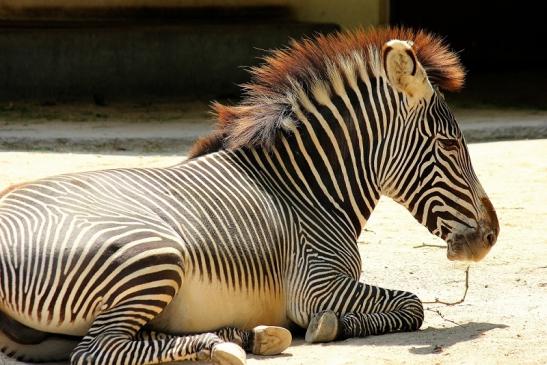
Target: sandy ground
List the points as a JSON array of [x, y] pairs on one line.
[[504, 317]]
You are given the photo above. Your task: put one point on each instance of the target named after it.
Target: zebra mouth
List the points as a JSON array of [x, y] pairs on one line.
[[459, 249], [451, 254], [465, 248]]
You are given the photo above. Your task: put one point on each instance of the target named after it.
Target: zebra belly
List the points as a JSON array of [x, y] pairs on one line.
[[202, 306], [77, 327]]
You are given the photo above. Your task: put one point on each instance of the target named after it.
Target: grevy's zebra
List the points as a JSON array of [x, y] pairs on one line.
[[121, 266]]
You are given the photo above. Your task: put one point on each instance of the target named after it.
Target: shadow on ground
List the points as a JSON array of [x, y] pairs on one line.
[[427, 341]]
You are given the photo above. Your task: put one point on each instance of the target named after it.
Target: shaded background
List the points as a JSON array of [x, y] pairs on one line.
[[107, 51], [500, 44]]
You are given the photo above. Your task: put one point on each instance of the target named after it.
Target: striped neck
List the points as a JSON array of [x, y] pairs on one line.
[[332, 156]]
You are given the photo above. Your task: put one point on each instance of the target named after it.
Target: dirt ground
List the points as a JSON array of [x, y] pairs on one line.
[[503, 320]]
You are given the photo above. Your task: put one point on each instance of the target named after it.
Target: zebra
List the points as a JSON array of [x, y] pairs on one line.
[[256, 232]]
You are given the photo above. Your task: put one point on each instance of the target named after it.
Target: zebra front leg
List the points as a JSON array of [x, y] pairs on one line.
[[367, 310]]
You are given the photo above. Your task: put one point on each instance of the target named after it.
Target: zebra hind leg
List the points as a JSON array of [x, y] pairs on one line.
[[221, 350], [224, 347], [155, 348], [116, 336], [228, 345]]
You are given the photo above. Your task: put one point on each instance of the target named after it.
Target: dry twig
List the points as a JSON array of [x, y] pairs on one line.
[[443, 317], [437, 301], [428, 245]]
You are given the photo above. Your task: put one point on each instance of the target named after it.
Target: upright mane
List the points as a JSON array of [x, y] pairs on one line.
[[266, 104]]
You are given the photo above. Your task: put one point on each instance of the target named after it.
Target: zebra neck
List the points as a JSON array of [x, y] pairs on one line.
[[295, 173], [330, 153]]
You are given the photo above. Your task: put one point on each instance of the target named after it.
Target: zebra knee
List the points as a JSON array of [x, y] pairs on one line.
[[413, 311], [404, 314]]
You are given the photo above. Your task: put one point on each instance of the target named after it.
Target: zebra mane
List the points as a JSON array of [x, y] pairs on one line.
[[266, 104]]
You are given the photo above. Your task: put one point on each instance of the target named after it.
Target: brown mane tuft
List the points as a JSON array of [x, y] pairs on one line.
[[265, 107]]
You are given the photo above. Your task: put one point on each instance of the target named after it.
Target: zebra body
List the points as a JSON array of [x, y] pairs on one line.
[[115, 229], [222, 252], [252, 266]]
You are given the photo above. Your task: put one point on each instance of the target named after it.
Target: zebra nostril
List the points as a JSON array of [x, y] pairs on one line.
[[490, 238]]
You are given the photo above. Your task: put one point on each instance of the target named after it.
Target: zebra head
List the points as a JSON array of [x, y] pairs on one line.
[[428, 167], [361, 113]]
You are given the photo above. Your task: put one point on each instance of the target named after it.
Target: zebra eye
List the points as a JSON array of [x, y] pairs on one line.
[[449, 144]]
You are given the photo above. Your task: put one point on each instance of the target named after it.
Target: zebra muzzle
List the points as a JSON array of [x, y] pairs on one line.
[[471, 245]]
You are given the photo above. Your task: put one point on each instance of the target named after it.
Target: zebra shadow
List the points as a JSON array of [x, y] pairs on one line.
[[427, 341]]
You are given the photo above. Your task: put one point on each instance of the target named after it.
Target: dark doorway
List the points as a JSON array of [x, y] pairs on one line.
[[502, 45]]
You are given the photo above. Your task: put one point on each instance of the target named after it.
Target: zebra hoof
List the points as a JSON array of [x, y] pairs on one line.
[[323, 327], [270, 340], [228, 353]]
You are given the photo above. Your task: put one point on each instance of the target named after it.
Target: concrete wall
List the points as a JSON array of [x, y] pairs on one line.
[[72, 49], [29, 4], [347, 13], [136, 62]]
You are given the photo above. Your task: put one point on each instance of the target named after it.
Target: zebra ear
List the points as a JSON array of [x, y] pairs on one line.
[[404, 71]]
